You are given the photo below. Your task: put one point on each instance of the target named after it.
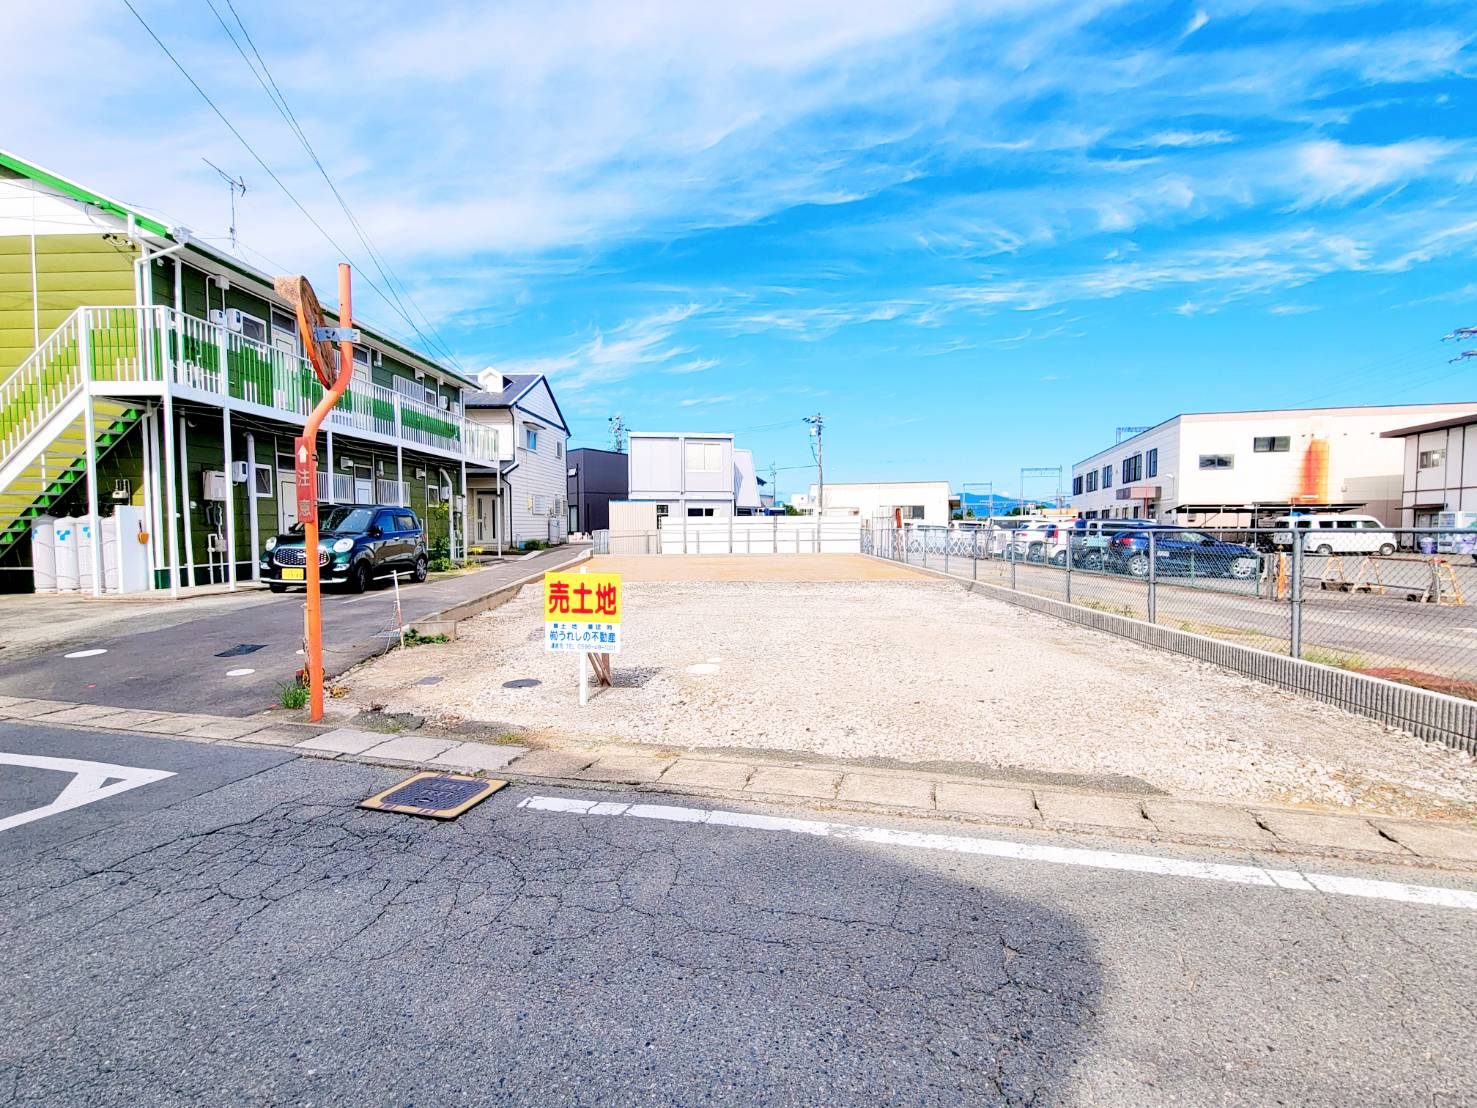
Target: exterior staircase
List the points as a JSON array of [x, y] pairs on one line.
[[42, 403]]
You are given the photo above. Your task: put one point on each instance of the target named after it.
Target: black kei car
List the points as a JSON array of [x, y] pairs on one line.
[[356, 543]]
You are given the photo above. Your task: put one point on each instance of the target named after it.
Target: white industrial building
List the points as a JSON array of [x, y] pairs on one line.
[[1440, 475], [692, 476], [923, 503], [1236, 468]]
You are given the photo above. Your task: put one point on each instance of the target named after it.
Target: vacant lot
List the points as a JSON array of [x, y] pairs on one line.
[[916, 670]]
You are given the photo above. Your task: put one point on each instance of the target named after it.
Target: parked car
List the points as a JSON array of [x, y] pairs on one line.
[[1042, 540], [356, 543], [1180, 554], [1090, 538], [1334, 534]]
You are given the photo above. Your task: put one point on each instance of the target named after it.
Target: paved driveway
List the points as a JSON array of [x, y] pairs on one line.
[[168, 655]]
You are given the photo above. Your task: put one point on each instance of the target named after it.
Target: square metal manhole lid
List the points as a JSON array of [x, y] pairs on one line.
[[241, 648], [434, 795]]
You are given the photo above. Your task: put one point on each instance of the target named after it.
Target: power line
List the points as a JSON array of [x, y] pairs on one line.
[[278, 98], [185, 73]]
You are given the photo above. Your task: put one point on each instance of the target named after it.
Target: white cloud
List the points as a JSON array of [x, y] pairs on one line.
[[1198, 20], [1330, 171]]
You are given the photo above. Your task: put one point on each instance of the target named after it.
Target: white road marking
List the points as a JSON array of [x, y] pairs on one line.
[[1026, 852], [702, 668], [93, 781], [239, 672], [85, 653]]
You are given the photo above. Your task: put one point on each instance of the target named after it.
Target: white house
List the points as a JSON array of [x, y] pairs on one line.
[[919, 502], [526, 500], [1233, 468], [692, 476], [1440, 469]]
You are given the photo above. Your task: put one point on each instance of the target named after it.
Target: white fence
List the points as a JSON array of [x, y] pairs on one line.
[[740, 535]]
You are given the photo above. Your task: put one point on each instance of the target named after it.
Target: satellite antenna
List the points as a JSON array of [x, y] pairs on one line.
[[235, 184]]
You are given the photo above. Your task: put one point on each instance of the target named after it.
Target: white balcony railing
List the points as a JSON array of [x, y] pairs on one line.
[[143, 345]]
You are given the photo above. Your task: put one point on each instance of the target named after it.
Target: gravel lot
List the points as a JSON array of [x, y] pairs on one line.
[[920, 671]]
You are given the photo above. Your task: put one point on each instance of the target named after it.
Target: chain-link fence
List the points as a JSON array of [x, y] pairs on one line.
[[1396, 604]]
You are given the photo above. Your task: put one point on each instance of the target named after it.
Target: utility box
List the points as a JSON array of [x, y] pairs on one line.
[[214, 482], [129, 568]]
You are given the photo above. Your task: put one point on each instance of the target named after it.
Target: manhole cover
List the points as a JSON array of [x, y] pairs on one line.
[[434, 795], [241, 648], [432, 680], [521, 683]]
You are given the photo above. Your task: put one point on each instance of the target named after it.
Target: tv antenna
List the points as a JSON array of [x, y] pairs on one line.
[[235, 184], [617, 433]]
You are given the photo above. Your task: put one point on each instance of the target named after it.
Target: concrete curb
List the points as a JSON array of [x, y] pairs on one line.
[[1425, 714], [445, 621], [837, 787]]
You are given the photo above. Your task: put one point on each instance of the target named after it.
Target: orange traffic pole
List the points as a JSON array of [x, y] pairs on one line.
[[307, 490]]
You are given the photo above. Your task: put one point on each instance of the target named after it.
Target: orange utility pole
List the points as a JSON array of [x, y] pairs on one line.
[[305, 454]]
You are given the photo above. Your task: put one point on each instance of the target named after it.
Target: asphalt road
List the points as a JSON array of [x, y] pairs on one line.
[[167, 655], [252, 937]]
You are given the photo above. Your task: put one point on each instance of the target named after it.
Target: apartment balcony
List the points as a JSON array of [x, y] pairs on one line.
[[135, 352]]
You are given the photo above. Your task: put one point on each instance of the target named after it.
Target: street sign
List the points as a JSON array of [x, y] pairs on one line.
[[582, 613], [306, 471]]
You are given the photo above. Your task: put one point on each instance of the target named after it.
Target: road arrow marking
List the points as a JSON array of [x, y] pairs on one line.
[[91, 782]]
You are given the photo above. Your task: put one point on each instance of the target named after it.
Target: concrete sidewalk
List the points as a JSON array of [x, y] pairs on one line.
[[829, 786]]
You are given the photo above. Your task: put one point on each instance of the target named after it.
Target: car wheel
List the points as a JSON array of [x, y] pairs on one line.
[[1138, 565], [1037, 553], [1243, 569], [1324, 549], [1386, 549], [1059, 558], [419, 573], [276, 587], [1093, 560], [358, 579]]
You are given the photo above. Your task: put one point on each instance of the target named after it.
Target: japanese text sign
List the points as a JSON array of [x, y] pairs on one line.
[[582, 612]]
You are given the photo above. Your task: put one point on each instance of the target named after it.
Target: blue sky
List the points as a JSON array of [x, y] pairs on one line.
[[974, 236]]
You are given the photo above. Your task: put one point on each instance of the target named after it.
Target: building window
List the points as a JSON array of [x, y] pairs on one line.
[[263, 484], [1153, 462], [1271, 444], [530, 439], [1107, 477], [253, 328], [1092, 480], [1133, 469], [912, 511], [1431, 459], [558, 449], [699, 513], [704, 457], [1217, 461], [1077, 485]]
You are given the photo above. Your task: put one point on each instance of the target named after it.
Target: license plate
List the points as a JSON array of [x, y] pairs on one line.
[[294, 574]]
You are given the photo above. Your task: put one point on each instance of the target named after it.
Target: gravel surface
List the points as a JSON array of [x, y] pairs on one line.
[[921, 672]]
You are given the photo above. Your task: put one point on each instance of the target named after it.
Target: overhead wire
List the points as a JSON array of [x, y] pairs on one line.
[[278, 98], [262, 162]]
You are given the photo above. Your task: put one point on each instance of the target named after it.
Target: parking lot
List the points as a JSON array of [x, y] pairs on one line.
[[916, 671]]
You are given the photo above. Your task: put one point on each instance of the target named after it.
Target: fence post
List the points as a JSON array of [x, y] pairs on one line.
[[1295, 598], [1011, 552], [948, 541], [730, 530], [925, 547], [974, 553], [1153, 602], [1068, 549]]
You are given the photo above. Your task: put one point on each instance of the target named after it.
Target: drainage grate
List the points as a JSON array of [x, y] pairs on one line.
[[432, 680], [241, 648], [434, 795], [521, 683]]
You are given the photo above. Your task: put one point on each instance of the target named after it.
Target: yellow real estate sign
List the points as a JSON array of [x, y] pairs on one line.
[[582, 612]]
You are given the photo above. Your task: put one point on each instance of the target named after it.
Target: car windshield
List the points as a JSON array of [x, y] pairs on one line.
[[346, 519], [1193, 536]]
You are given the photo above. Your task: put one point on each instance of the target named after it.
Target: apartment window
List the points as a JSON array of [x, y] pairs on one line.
[[530, 439], [284, 332], [262, 483], [558, 449], [362, 374], [704, 457], [1107, 477], [1271, 444], [253, 328], [1217, 461], [1092, 480], [1077, 485], [699, 513], [912, 511], [1133, 469], [1431, 459]]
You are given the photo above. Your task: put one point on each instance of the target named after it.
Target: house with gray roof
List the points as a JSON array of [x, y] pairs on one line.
[[525, 498]]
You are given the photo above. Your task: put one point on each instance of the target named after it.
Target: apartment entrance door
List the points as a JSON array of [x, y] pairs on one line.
[[484, 523]]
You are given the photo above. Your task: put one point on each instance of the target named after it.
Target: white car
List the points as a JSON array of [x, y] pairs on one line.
[[1335, 534], [1043, 540]]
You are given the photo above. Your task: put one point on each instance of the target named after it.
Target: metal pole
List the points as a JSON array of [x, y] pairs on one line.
[[974, 553], [399, 457], [331, 471], [1295, 596], [251, 508], [94, 525], [1068, 549], [947, 540], [171, 497], [184, 465], [1012, 553], [230, 505], [1153, 602]]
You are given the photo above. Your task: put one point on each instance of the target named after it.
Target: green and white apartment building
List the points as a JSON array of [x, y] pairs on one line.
[[151, 387]]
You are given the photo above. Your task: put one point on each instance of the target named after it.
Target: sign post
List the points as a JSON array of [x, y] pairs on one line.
[[582, 616]]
